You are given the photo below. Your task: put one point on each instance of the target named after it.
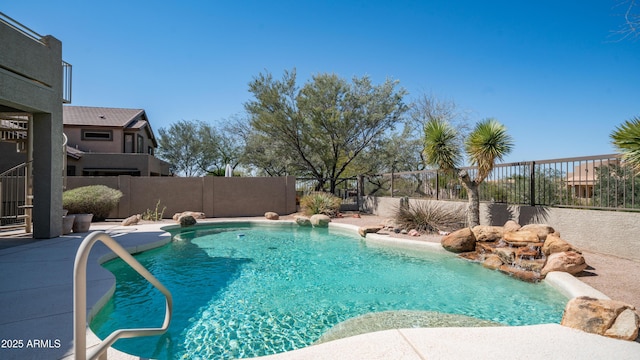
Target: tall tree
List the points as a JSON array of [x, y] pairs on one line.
[[328, 123], [181, 147], [486, 143], [196, 148]]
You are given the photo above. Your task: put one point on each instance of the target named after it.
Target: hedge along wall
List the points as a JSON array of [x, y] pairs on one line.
[[608, 232], [215, 196]]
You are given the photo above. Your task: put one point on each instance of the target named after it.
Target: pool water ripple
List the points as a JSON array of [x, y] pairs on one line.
[[259, 290]]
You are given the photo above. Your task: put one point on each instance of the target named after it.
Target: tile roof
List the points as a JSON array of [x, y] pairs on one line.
[[100, 116]]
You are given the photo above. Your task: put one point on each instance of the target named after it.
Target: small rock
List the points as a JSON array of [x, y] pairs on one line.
[[270, 215], [131, 220], [413, 232]]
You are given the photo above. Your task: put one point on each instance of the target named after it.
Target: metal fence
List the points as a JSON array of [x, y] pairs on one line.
[[594, 182], [347, 189]]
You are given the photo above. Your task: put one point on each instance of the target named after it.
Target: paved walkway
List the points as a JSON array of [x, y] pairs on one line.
[[36, 318]]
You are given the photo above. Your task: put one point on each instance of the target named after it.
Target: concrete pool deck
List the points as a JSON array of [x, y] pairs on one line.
[[36, 319]]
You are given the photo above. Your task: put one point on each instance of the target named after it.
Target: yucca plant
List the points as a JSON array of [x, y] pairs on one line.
[[320, 203], [487, 143]]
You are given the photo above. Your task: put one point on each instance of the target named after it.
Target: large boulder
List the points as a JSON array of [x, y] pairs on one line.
[[302, 220], [542, 230], [604, 317], [521, 237], [459, 241], [567, 261], [194, 214], [320, 220], [554, 244], [487, 233], [270, 215]]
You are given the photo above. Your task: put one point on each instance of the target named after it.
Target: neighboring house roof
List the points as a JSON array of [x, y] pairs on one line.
[[100, 116], [107, 117]]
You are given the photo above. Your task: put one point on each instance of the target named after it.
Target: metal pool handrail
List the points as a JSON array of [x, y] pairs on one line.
[[80, 299]]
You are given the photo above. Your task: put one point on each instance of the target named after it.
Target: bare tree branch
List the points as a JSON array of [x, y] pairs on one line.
[[631, 26]]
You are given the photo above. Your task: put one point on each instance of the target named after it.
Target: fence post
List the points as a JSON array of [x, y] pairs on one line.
[[391, 181], [532, 184], [437, 185]]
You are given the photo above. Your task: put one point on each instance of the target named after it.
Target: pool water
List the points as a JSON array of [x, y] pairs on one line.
[[248, 290]]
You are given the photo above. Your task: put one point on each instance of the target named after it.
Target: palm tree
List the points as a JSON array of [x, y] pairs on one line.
[[486, 143], [626, 139]]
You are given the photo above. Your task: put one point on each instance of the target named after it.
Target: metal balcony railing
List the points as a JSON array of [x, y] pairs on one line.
[[80, 299], [66, 82]]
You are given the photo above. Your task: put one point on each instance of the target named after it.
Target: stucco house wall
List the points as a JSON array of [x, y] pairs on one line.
[[31, 81]]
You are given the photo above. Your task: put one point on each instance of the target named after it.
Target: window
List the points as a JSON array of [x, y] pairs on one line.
[[140, 145], [150, 150], [128, 143], [99, 135]]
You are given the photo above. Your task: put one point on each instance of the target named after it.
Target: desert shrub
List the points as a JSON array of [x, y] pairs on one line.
[[154, 215], [320, 203], [428, 216], [98, 200]]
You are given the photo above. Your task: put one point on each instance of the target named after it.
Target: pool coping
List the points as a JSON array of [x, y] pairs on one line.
[[565, 283]]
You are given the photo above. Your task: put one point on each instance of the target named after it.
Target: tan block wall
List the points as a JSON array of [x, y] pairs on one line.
[[215, 196], [608, 232]]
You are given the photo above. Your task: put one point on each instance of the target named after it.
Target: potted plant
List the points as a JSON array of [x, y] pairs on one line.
[[89, 203]]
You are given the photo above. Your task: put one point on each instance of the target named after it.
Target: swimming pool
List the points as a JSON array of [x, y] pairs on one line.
[[244, 290]]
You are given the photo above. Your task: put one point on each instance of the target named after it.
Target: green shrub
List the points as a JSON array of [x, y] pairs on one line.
[[320, 203], [428, 216], [98, 200]]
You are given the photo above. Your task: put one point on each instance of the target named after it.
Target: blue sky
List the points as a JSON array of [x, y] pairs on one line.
[[554, 72]]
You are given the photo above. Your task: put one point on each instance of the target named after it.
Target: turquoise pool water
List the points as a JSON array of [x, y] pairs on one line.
[[245, 290]]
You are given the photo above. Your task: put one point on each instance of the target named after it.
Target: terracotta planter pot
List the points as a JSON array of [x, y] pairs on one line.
[[82, 223], [67, 224]]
